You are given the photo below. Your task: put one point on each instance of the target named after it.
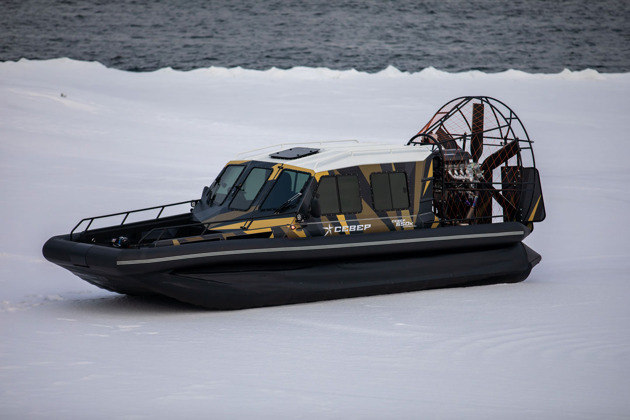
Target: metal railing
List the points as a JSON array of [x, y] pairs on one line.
[[126, 214]]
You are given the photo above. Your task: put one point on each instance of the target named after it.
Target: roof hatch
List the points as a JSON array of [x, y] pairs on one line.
[[294, 153]]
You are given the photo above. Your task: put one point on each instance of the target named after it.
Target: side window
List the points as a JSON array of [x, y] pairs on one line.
[[389, 191], [339, 194], [328, 197], [380, 191], [400, 193], [250, 188], [349, 195], [224, 183], [288, 184]]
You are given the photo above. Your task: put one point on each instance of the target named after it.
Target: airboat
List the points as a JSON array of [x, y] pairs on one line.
[[299, 223]]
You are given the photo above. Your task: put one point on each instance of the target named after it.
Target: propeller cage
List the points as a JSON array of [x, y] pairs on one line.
[[483, 167]]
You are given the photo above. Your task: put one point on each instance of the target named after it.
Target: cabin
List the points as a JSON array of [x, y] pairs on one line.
[[331, 188]]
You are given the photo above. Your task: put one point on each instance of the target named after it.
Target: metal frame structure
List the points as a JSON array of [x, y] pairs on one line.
[[484, 162]]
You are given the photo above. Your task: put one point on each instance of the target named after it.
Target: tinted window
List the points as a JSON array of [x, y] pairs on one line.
[[223, 184], [328, 197], [349, 194], [389, 191], [250, 188], [398, 184], [288, 184], [380, 192], [339, 194]]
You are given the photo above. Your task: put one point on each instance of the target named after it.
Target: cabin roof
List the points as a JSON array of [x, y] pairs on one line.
[[339, 154]]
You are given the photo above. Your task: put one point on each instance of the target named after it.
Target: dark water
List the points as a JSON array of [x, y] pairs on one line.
[[452, 35]]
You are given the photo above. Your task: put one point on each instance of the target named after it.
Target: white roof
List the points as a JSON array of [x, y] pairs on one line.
[[342, 154]]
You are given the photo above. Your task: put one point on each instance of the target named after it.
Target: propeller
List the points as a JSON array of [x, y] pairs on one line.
[[496, 159], [491, 144]]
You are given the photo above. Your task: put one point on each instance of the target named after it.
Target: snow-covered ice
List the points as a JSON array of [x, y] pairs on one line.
[[78, 139]]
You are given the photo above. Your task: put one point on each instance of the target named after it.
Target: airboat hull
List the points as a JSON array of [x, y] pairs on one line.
[[236, 274]]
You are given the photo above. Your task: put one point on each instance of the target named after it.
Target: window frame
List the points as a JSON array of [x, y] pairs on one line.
[[260, 189], [309, 176], [391, 192], [221, 174], [338, 195]]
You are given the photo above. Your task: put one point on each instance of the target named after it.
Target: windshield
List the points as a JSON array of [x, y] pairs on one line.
[[250, 188], [223, 184]]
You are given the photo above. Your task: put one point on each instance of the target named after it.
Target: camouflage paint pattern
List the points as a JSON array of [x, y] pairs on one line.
[[297, 222]]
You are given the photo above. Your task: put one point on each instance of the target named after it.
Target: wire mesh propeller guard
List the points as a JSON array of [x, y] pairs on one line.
[[482, 149]]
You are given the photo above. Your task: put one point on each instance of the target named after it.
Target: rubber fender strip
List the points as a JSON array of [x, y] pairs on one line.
[[316, 247]]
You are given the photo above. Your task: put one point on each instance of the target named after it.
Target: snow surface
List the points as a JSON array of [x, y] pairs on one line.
[[78, 139]]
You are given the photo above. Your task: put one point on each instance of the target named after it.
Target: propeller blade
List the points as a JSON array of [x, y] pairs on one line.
[[446, 139], [476, 139], [503, 202], [500, 157]]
